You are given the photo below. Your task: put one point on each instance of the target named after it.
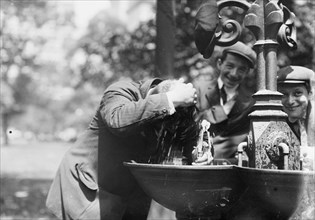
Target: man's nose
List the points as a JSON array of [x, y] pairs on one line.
[[233, 72], [291, 99]]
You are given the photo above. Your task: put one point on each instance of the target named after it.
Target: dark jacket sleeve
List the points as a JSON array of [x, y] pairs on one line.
[[214, 115], [125, 111]]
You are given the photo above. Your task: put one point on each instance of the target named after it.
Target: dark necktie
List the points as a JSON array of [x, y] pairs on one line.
[[223, 94], [295, 128]]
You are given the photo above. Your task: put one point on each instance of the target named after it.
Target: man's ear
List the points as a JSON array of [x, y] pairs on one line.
[[219, 63], [310, 95]]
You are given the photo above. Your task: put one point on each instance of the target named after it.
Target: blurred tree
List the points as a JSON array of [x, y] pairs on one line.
[[19, 45], [108, 52], [27, 28], [92, 57], [131, 55]]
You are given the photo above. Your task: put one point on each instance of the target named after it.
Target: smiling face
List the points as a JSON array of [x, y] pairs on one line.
[[233, 70], [295, 100]]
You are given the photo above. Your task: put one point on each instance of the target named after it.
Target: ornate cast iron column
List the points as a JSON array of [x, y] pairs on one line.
[[270, 22]]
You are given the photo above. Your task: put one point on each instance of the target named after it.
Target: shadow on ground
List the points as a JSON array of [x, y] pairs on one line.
[[24, 198], [27, 170]]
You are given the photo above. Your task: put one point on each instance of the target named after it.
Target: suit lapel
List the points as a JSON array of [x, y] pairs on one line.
[[212, 95], [242, 101]]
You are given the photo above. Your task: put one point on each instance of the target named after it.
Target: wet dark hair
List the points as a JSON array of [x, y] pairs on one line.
[[178, 132]]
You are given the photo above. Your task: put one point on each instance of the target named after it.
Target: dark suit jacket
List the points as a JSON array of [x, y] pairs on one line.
[[231, 129], [120, 131]]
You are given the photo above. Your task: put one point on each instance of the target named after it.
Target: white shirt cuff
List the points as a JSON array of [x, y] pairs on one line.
[[171, 105]]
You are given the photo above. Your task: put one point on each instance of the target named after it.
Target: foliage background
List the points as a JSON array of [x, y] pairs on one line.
[[47, 94]]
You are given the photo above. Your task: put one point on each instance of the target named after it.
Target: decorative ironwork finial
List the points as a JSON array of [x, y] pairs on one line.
[[207, 33], [268, 20], [287, 31]]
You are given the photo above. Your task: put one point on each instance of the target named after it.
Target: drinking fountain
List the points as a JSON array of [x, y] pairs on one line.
[[271, 186]]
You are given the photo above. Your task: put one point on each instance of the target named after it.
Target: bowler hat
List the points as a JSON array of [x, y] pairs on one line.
[[294, 74], [206, 23], [244, 51]]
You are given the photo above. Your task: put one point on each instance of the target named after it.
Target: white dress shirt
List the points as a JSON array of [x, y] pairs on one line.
[[230, 92], [230, 96]]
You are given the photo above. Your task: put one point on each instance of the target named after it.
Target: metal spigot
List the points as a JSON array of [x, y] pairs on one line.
[[240, 149], [285, 149], [204, 149]]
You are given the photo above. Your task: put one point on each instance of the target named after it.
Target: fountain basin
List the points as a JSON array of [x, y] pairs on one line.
[[271, 193], [190, 190], [223, 190]]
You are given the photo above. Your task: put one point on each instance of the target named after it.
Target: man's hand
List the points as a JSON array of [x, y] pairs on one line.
[[182, 94]]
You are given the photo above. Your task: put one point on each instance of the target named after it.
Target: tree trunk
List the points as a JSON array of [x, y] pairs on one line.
[[165, 38], [5, 128], [313, 24]]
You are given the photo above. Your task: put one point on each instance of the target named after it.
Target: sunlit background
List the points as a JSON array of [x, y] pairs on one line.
[[57, 58], [43, 59]]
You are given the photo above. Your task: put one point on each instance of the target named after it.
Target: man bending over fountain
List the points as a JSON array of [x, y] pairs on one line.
[[134, 121]]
